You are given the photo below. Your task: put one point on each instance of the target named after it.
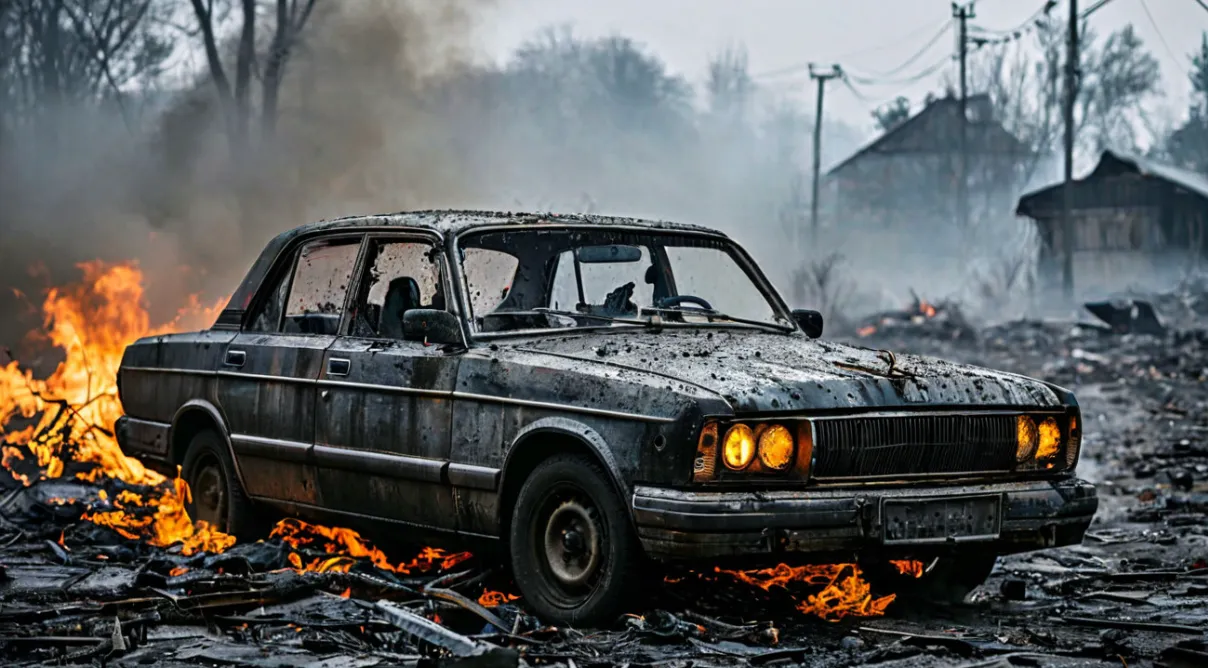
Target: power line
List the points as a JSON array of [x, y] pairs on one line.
[[1203, 4], [1031, 20], [803, 67], [926, 72], [1161, 37], [889, 45], [1092, 9], [918, 54]]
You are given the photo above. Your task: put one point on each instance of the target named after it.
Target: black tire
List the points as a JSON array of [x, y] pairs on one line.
[[217, 496], [568, 508], [947, 581]]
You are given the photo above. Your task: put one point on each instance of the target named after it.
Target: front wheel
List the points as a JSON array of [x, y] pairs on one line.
[[574, 553]]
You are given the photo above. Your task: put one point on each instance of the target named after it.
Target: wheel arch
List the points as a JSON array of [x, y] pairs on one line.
[[539, 441], [191, 418]]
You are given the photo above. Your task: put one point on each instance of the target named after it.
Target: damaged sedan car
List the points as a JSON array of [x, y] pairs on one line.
[[582, 395]]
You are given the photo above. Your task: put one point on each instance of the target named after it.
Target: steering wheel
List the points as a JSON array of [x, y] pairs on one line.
[[679, 300]]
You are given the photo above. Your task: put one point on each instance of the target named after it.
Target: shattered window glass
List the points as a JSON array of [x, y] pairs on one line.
[[316, 297], [488, 276], [402, 275]]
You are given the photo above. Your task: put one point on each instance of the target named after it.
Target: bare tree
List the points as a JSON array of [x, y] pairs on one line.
[[63, 52], [291, 16]]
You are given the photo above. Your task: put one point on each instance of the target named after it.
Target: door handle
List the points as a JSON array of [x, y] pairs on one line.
[[235, 358], [337, 366]]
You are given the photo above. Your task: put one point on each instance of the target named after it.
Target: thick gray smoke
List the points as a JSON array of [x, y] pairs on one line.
[[383, 109]]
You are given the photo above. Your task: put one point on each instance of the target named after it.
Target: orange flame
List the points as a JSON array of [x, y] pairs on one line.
[[349, 546], [491, 599], [71, 413], [926, 309], [844, 592], [91, 322], [868, 330], [908, 567]]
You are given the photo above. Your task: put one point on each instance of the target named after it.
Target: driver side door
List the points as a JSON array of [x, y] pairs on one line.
[[385, 404]]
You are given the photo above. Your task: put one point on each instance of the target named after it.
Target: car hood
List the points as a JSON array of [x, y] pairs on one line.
[[762, 372]]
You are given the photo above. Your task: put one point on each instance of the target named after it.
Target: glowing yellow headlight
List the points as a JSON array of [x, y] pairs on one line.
[[1026, 438], [775, 447], [739, 447], [1050, 438]]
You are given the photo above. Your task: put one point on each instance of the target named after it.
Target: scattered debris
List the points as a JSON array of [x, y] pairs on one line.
[[1135, 592]]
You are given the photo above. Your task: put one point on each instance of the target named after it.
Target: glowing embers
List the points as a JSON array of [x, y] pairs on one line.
[[909, 567], [844, 591], [347, 546], [492, 599]]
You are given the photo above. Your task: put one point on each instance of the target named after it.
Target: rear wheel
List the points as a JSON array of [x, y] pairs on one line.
[[574, 553], [217, 496]]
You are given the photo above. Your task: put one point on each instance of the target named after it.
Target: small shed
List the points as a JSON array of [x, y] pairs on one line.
[[1134, 220]]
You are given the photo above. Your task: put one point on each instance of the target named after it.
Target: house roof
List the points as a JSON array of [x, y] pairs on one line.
[[1113, 163], [928, 131]]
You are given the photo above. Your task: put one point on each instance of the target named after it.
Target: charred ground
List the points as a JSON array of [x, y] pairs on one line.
[[1134, 593]]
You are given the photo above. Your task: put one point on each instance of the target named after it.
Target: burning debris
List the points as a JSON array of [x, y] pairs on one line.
[[942, 321]]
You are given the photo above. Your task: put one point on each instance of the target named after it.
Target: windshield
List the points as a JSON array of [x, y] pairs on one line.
[[566, 278]]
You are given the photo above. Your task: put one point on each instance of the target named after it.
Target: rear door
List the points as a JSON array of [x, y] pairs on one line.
[[266, 384], [385, 406]]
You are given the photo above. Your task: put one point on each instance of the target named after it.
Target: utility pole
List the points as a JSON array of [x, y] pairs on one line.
[[822, 77], [1067, 189], [963, 13]]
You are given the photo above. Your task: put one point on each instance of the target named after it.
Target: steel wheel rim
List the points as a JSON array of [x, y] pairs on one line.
[[209, 494], [571, 544]]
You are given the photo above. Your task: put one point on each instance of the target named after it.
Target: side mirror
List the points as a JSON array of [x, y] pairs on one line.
[[810, 322], [431, 326]]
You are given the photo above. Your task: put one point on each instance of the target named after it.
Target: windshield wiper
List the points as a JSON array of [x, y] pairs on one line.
[[589, 316], [714, 314]]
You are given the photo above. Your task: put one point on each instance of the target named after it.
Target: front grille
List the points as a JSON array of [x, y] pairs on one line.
[[875, 446]]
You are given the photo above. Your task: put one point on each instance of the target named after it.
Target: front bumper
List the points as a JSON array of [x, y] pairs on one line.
[[678, 524]]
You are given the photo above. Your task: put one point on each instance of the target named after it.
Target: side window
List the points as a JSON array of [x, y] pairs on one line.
[[489, 275], [400, 275], [321, 278], [268, 317]]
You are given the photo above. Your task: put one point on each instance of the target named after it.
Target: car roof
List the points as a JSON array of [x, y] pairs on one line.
[[458, 221], [444, 222]]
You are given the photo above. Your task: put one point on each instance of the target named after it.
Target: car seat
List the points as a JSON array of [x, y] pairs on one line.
[[402, 295]]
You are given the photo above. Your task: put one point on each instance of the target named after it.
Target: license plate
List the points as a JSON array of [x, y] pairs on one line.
[[942, 520]]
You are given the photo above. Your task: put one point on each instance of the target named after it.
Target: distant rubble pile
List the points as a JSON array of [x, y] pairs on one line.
[[1137, 338]]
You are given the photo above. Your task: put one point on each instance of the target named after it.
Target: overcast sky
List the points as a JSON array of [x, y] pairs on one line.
[[865, 36]]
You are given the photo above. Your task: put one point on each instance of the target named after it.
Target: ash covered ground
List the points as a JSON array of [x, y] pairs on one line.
[[1134, 593]]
